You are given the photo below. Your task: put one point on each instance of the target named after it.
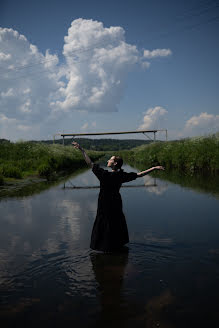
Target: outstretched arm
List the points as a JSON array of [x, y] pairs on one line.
[[141, 174], [86, 157]]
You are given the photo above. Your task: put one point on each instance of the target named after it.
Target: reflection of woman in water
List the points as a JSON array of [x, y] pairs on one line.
[[109, 271], [110, 231]]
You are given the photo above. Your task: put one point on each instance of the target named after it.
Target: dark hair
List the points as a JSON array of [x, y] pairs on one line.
[[119, 162]]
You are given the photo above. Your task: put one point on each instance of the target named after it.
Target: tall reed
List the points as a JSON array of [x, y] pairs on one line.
[[21, 159], [200, 154]]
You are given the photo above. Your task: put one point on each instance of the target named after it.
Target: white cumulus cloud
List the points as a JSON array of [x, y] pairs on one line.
[[25, 93], [39, 92], [97, 62], [157, 53], [152, 118], [202, 124]]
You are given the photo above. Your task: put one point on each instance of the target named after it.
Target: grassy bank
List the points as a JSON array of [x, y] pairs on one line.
[[190, 155], [21, 159]]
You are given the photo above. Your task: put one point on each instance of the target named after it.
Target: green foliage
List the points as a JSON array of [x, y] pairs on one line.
[[10, 171], [45, 170], [23, 158], [189, 154]]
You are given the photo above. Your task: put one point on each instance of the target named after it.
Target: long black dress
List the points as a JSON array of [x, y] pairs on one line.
[[110, 229]]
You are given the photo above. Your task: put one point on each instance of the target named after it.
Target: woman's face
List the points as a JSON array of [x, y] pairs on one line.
[[111, 162]]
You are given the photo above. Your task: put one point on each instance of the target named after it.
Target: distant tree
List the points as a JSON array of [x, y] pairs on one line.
[[102, 144], [4, 140]]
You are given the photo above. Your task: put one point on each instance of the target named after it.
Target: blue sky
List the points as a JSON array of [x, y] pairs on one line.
[[98, 66]]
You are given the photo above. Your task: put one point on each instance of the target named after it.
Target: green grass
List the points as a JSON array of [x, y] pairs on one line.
[[189, 155], [21, 159]]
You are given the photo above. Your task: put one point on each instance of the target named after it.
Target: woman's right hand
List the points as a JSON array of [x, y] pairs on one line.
[[159, 168], [76, 145]]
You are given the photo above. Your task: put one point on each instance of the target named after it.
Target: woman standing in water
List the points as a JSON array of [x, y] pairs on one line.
[[110, 231]]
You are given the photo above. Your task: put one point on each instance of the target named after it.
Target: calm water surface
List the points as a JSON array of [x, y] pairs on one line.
[[167, 277]]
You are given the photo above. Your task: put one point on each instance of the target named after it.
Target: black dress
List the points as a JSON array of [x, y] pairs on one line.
[[110, 229]]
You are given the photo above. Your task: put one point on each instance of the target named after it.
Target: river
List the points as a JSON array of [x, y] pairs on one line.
[[168, 276]]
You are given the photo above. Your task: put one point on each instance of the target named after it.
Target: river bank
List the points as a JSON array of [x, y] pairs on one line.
[[26, 163], [188, 155], [29, 161]]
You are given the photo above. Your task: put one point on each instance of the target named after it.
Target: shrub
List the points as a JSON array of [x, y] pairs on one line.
[[45, 170], [10, 171]]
